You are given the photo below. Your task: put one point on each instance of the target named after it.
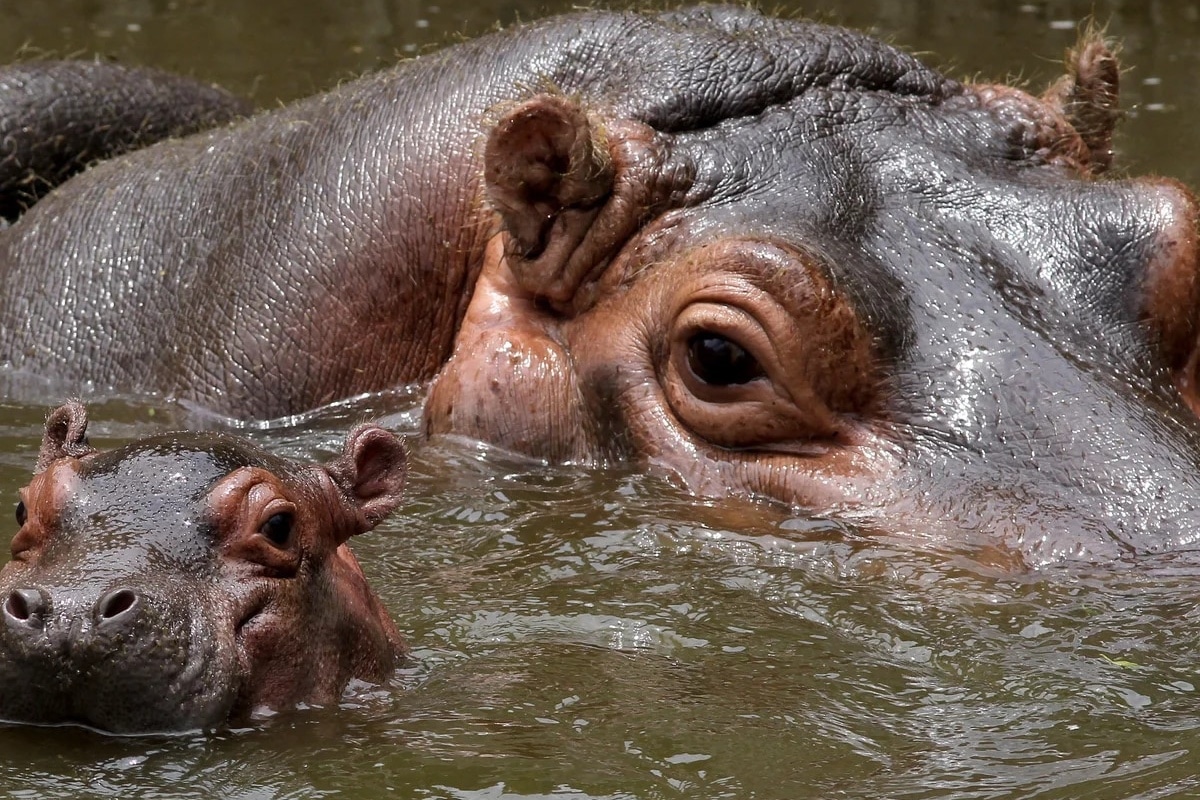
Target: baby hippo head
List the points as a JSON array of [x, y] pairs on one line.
[[186, 579]]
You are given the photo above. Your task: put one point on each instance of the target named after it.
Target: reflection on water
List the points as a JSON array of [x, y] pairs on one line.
[[596, 633]]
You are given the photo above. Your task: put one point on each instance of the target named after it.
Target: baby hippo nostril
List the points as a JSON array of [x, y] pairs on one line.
[[119, 604], [26, 606]]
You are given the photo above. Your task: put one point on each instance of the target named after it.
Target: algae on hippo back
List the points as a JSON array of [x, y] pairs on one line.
[[762, 256], [186, 580]]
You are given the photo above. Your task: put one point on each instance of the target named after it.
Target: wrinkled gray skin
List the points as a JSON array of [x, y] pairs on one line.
[[186, 580], [764, 257]]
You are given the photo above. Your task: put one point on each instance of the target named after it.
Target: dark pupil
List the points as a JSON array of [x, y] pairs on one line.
[[20, 512], [277, 528], [719, 362]]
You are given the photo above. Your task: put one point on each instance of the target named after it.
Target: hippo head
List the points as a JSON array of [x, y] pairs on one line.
[[840, 280], [187, 579]]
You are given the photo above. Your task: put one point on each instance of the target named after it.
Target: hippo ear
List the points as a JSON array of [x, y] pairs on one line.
[[540, 159], [66, 435], [1088, 96], [370, 472], [549, 175]]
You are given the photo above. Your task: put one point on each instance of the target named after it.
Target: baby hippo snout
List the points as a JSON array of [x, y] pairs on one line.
[[30, 613], [118, 607], [120, 658], [25, 609]]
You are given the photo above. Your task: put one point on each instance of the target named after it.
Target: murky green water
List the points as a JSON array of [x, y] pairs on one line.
[[597, 633]]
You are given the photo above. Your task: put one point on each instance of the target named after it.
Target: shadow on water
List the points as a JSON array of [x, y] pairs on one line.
[[587, 633]]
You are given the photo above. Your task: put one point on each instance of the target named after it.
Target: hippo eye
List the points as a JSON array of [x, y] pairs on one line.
[[718, 361], [21, 515], [277, 528]]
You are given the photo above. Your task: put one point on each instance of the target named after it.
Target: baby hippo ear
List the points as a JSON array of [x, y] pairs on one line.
[[66, 435], [371, 472]]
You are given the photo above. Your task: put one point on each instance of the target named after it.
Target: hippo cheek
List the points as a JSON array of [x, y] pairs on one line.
[[517, 392], [737, 368], [511, 380], [267, 644], [284, 652]]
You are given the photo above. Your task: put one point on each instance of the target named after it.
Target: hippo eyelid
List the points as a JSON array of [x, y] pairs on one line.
[[29, 535], [728, 323]]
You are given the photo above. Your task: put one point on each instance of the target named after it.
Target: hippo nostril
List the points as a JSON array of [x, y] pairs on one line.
[[25, 605], [17, 607], [115, 605]]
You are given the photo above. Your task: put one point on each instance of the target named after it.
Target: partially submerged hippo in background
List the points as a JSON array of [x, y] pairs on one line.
[[187, 579], [767, 257], [56, 118]]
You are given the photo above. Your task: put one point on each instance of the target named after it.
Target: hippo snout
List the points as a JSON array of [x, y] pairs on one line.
[[81, 633], [25, 609], [116, 608], [30, 611], [121, 657]]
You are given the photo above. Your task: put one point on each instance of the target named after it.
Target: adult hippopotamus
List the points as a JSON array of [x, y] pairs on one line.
[[766, 257], [187, 579]]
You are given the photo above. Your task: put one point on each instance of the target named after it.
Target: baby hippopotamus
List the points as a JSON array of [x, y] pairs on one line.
[[186, 579]]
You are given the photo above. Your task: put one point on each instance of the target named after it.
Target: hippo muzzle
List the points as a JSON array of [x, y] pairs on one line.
[[123, 660]]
